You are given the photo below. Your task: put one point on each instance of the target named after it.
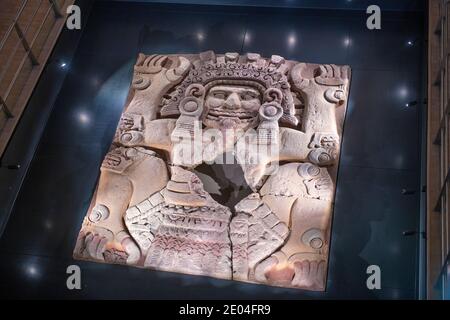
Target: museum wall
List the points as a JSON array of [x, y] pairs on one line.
[[378, 181]]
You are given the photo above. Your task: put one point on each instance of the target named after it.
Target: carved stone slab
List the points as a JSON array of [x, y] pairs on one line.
[[281, 120]]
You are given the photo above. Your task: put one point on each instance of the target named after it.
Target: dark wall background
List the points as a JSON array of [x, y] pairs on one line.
[[380, 151], [387, 5]]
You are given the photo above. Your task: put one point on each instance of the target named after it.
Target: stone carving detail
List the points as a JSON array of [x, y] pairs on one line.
[[211, 70], [182, 228], [256, 232], [325, 148], [99, 213], [119, 159], [144, 220], [282, 122]]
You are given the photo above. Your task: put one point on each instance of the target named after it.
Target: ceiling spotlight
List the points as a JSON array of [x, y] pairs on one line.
[[84, 117], [31, 271], [48, 224], [292, 40], [411, 104], [410, 43], [347, 41], [247, 37], [200, 36], [402, 92]]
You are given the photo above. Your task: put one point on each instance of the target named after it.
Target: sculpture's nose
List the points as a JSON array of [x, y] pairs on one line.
[[233, 101]]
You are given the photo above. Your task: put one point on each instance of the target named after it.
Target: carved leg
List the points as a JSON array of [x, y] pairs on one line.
[[300, 196], [308, 248], [256, 232], [310, 219], [104, 236]]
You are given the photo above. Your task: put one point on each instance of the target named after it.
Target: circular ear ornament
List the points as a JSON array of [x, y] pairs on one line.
[[190, 106], [270, 111]]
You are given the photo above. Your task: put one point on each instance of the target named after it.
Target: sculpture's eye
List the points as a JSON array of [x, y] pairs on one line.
[[219, 95], [247, 96]]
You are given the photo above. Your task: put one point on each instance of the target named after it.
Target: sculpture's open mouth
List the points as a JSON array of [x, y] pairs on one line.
[[220, 118], [215, 114]]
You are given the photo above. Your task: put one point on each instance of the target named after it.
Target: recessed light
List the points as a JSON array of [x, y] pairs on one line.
[[32, 270], [292, 40], [200, 36], [347, 41]]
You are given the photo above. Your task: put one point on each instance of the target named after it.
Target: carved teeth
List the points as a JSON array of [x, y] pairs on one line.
[[210, 117], [240, 115], [230, 118]]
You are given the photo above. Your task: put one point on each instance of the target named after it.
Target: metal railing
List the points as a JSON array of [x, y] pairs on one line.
[[40, 14]]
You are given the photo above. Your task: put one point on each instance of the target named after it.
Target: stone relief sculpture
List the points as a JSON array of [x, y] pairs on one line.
[[281, 121]]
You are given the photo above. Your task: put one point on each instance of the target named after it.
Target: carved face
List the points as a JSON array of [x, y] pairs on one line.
[[232, 107]]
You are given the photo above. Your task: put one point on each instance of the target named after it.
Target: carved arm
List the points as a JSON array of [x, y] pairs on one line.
[[134, 132]]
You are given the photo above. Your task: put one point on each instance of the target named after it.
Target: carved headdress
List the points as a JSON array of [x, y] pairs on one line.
[[266, 75]]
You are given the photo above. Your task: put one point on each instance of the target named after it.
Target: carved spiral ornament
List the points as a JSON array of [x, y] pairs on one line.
[[313, 238], [99, 213], [141, 83], [308, 171], [131, 138], [335, 96]]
